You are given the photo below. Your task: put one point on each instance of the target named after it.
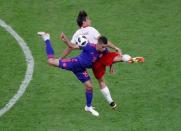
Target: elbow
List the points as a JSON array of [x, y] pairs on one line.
[[70, 46]]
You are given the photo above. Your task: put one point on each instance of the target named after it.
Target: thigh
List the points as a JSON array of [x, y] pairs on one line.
[[108, 59], [98, 69], [82, 75], [71, 64]]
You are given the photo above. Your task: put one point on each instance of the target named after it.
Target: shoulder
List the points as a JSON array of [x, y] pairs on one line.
[[75, 35], [92, 28], [77, 32], [94, 32]]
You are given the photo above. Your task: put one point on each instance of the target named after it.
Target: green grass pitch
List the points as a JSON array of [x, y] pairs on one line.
[[148, 95]]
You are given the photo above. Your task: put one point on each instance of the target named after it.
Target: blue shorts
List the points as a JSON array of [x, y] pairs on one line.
[[74, 65]]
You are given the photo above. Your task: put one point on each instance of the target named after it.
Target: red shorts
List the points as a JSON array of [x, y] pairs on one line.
[[99, 67]]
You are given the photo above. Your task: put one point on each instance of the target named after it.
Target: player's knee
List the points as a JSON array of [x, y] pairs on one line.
[[89, 87], [118, 58], [102, 84], [100, 80], [52, 62]]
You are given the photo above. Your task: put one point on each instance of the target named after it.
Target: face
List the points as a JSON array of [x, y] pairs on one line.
[[101, 47], [87, 22]]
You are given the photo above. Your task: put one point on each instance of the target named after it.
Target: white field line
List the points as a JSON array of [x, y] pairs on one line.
[[29, 71]]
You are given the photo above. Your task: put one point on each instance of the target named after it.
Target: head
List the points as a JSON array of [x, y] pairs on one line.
[[83, 20], [102, 43]]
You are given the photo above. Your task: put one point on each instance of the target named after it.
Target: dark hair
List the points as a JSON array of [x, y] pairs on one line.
[[102, 40], [81, 17]]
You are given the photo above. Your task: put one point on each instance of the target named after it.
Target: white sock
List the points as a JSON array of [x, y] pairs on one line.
[[46, 37], [106, 93], [126, 57]]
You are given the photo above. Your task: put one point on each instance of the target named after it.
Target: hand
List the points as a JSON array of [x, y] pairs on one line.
[[112, 70], [63, 37]]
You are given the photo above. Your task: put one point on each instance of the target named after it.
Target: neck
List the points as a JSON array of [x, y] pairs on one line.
[[84, 26], [96, 47]]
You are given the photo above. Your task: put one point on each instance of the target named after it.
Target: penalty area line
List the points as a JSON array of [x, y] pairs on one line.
[[29, 71]]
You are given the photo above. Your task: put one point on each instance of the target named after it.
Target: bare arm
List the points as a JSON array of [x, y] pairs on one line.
[[111, 45], [66, 52], [65, 39]]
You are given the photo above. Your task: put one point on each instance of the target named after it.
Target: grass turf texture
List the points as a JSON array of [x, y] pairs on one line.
[[148, 95]]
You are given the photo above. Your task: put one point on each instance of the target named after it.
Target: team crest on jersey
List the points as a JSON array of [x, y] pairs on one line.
[[85, 73], [64, 65]]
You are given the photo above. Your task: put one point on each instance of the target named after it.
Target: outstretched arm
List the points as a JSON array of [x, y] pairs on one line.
[[65, 39], [111, 45], [66, 52]]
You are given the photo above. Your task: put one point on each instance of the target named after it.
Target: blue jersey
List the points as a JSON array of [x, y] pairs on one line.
[[89, 55], [79, 64]]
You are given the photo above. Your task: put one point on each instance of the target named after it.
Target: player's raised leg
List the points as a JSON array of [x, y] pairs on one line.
[[49, 50]]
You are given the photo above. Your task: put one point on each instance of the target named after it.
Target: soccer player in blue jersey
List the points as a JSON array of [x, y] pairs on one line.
[[78, 65]]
